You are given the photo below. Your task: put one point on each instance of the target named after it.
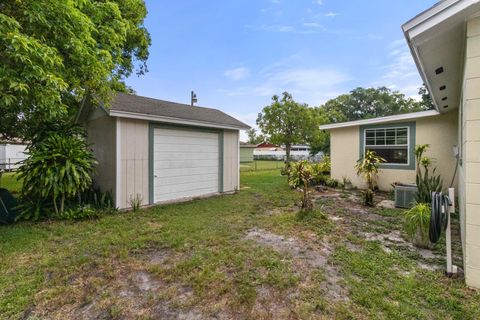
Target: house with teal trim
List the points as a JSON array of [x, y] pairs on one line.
[[445, 44], [157, 151]]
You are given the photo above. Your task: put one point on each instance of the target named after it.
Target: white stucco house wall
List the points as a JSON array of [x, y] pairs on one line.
[[445, 44], [159, 151]]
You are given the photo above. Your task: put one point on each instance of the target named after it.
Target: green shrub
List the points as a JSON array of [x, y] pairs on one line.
[[301, 174], [332, 183], [99, 200], [58, 167], [325, 165], [417, 223], [319, 179], [79, 213]]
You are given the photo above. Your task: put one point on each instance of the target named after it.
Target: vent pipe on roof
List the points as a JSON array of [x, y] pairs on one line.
[[193, 98]]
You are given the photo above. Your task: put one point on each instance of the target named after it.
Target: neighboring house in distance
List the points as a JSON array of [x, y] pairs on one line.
[[445, 44], [162, 151], [246, 152], [11, 154], [268, 151]]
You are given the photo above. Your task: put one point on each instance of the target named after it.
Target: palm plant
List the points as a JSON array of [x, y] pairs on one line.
[[368, 168]]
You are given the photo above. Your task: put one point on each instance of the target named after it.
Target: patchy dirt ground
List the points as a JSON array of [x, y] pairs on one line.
[[248, 256], [143, 293]]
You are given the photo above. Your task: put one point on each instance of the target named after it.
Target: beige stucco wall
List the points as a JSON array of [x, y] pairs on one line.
[[470, 168], [438, 131], [121, 147], [133, 175], [101, 137], [231, 165]]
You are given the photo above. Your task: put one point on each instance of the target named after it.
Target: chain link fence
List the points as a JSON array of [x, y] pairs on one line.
[[10, 164], [261, 165]]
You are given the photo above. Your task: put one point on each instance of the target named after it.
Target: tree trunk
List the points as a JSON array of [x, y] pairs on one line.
[[62, 203], [55, 205], [287, 151]]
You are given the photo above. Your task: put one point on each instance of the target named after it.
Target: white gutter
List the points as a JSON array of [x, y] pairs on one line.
[[197, 123], [399, 117]]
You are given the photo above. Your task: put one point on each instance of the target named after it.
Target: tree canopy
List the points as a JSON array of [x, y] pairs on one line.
[[286, 122], [54, 52], [254, 137], [365, 103]]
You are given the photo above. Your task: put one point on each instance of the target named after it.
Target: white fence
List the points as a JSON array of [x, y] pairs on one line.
[[11, 155], [259, 154]]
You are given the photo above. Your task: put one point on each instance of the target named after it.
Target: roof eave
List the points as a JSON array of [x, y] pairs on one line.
[[380, 120], [156, 118], [423, 23]]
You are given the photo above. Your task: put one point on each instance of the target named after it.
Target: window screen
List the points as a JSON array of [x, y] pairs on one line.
[[389, 143]]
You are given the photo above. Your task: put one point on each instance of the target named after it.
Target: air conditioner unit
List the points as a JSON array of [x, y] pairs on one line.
[[405, 195]]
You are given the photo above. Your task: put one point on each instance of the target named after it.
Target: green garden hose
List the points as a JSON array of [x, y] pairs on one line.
[[439, 217]]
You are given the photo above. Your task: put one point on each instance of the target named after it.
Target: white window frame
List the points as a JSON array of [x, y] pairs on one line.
[[391, 145]]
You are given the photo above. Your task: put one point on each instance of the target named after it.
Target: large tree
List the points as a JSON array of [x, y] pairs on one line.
[[286, 122], [54, 52], [364, 103]]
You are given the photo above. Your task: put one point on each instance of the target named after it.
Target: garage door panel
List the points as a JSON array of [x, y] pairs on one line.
[[178, 134], [186, 163], [208, 184], [178, 164], [169, 181], [186, 156], [184, 171], [184, 194], [186, 148]]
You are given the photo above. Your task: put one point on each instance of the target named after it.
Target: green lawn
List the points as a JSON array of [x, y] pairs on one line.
[[10, 182], [248, 256], [258, 165]]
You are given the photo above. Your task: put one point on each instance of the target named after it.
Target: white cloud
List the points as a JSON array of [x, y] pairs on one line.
[[319, 2], [277, 28], [311, 85], [237, 73], [331, 14], [312, 25], [401, 73]]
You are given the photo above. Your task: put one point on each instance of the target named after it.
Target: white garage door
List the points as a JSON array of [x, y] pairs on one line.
[[185, 163]]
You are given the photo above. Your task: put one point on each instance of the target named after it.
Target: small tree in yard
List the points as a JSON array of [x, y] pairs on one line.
[[301, 174], [367, 166], [58, 166], [286, 122]]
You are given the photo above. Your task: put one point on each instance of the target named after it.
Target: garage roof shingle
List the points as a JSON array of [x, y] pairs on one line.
[[154, 107]]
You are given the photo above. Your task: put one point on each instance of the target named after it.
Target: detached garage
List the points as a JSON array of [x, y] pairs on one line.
[[160, 151]]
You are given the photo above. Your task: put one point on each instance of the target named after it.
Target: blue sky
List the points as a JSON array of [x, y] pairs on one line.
[[236, 54]]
